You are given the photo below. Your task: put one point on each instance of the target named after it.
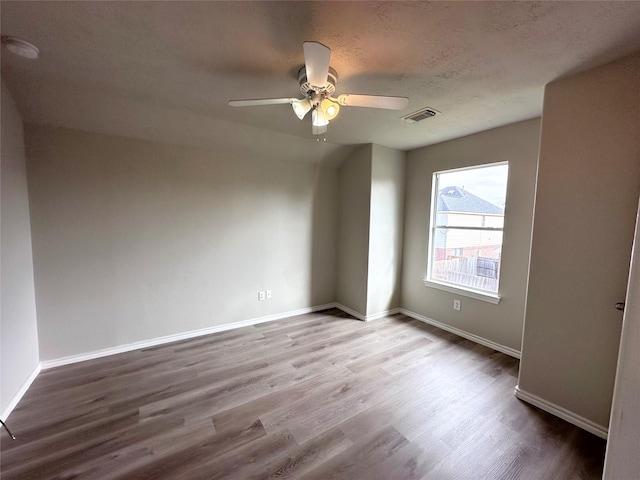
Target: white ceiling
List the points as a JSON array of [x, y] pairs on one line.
[[165, 70]]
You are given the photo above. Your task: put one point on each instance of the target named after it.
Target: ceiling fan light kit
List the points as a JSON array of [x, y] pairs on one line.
[[318, 84], [329, 108], [301, 107], [318, 119]]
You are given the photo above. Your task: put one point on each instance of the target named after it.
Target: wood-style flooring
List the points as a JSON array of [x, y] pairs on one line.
[[318, 396]]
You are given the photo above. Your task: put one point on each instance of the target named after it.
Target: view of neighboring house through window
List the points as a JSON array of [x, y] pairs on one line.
[[467, 220]]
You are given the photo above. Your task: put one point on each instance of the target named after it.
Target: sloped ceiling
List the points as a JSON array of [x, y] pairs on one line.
[[165, 70]]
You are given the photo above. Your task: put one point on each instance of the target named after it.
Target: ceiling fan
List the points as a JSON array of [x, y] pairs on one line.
[[318, 84]]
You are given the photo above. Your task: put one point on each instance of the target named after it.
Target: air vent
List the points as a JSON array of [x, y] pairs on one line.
[[420, 115]]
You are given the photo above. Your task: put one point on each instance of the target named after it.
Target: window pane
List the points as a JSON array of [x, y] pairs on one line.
[[474, 200], [472, 197], [470, 258]]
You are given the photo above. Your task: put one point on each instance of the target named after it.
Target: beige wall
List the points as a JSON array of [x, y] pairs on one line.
[[385, 230], [134, 240], [353, 230], [370, 230], [18, 327], [622, 459], [586, 200], [502, 323]]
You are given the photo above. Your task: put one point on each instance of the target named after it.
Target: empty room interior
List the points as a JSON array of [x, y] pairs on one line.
[[377, 240]]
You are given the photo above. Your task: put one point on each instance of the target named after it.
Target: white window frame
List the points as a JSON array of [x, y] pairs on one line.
[[478, 294]]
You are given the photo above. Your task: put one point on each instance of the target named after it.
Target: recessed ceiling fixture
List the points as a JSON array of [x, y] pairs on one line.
[[20, 47]]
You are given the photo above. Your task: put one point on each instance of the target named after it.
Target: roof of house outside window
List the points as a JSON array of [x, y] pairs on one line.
[[457, 199]]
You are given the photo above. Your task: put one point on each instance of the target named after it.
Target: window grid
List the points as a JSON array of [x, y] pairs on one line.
[[465, 244]]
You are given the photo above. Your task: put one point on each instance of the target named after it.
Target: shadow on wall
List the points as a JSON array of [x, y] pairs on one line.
[[385, 239], [324, 226]]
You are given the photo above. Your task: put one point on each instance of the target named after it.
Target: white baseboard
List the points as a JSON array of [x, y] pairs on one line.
[[350, 311], [6, 411], [461, 333], [563, 413], [366, 318], [179, 336], [386, 313]]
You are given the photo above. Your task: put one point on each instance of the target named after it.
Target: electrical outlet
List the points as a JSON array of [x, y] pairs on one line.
[[262, 296], [268, 294], [456, 305]]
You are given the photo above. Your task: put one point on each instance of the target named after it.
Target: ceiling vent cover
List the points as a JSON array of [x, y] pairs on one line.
[[420, 115]]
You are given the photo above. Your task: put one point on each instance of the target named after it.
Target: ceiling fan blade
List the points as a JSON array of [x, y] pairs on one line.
[[261, 101], [373, 101], [316, 63]]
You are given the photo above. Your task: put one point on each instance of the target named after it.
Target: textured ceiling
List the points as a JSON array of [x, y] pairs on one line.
[[165, 70]]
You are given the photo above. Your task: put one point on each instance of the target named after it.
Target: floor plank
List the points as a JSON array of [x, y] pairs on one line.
[[317, 396]]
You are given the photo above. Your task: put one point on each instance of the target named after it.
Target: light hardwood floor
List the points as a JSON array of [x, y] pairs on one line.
[[318, 396]]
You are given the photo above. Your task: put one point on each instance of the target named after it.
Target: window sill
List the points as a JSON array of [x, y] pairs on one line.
[[485, 297]]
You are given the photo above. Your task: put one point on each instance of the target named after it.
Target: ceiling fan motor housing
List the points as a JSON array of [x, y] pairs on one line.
[[308, 90]]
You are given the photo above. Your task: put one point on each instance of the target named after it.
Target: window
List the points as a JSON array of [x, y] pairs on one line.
[[467, 220]]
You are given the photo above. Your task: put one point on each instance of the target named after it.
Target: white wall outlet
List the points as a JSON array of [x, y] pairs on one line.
[[262, 296], [456, 305], [268, 294]]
